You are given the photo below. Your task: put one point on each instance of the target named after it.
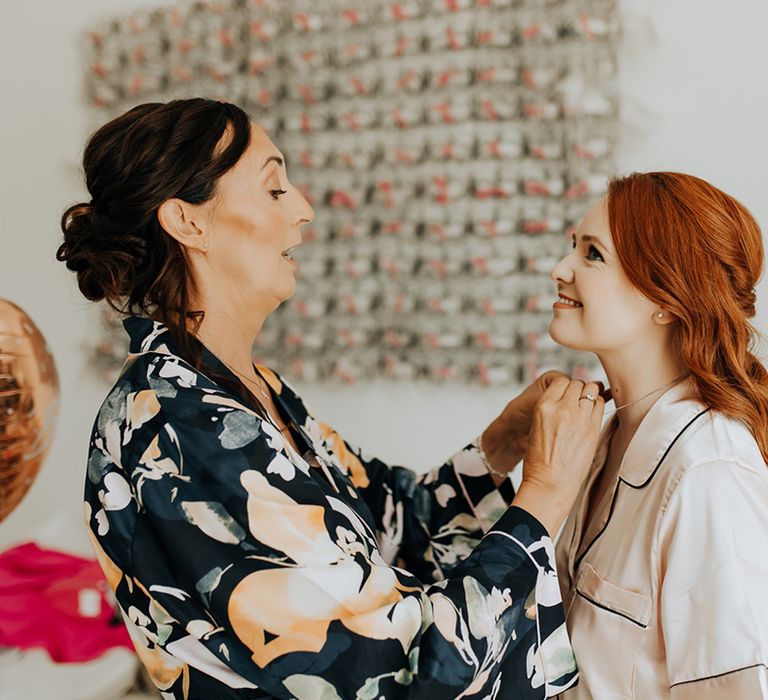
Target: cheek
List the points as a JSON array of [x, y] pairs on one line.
[[620, 315], [614, 313], [254, 240]]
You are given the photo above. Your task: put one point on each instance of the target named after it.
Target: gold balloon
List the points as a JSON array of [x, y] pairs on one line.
[[29, 398]]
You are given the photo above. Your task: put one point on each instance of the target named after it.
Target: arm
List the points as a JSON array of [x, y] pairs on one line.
[[427, 522], [714, 612], [243, 569], [431, 522]]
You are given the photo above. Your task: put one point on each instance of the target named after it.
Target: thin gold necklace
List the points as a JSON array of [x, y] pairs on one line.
[[273, 422], [650, 393], [263, 393]]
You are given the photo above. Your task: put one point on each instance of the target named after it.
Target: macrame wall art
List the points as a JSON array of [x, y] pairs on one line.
[[447, 146]]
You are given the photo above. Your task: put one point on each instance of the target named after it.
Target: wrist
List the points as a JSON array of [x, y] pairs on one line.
[[501, 451], [544, 504]]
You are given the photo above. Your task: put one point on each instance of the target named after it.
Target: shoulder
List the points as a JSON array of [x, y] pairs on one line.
[[147, 380], [720, 439], [157, 395], [719, 476]]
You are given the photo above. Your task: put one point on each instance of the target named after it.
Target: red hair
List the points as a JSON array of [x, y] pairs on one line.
[[698, 253]]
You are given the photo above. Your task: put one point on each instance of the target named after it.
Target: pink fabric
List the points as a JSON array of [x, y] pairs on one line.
[[57, 601]]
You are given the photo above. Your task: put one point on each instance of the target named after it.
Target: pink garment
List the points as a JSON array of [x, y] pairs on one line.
[[58, 601]]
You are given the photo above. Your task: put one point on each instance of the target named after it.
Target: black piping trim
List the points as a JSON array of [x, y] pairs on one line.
[[643, 485], [611, 610], [719, 675], [666, 452], [603, 529]]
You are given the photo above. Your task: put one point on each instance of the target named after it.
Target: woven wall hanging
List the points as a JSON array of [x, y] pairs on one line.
[[447, 146]]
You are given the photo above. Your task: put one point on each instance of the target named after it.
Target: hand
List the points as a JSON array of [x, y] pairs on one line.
[[564, 435], [505, 440]]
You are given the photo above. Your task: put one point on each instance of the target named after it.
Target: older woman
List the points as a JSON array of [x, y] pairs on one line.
[[252, 551]]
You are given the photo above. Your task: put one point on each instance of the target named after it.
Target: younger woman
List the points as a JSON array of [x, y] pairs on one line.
[[662, 560]]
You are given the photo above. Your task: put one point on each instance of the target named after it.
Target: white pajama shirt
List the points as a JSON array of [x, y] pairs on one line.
[[666, 589]]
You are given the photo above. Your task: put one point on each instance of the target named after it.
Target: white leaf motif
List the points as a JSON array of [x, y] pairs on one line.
[[282, 465]]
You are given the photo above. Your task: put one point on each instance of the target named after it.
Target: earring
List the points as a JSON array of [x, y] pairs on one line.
[[205, 247], [660, 314]]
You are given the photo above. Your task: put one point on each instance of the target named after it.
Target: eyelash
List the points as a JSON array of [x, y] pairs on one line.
[[594, 250], [590, 251], [276, 193]]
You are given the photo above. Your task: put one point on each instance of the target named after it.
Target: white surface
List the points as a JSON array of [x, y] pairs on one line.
[[31, 674], [705, 111]]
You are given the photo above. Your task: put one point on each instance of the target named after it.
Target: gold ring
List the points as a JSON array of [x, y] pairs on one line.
[[589, 397]]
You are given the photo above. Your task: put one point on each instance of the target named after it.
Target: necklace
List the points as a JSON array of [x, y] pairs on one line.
[[263, 393], [274, 423], [650, 393]]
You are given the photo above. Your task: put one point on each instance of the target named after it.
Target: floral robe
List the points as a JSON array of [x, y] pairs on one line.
[[246, 570]]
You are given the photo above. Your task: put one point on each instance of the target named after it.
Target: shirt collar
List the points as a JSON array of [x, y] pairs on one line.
[[148, 336], [677, 408]]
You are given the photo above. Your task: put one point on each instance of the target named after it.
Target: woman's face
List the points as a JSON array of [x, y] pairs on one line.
[[253, 222], [598, 309]]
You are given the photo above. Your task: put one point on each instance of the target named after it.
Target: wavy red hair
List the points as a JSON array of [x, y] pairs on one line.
[[698, 253]]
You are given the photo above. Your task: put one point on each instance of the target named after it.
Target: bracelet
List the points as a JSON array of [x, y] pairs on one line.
[[484, 457]]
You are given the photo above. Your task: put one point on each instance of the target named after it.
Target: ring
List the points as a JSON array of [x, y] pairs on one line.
[[589, 397]]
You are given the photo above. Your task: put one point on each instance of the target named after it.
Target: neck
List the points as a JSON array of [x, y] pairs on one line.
[[632, 374], [230, 334]]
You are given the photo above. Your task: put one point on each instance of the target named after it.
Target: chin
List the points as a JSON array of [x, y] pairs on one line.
[[286, 292], [561, 336]]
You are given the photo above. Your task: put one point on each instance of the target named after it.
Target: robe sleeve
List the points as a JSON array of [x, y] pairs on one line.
[[714, 610], [427, 522]]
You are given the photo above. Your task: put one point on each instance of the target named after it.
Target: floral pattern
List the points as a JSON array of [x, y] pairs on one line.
[[244, 569]]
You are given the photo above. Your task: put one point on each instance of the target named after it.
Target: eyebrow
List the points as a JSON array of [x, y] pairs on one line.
[[593, 239], [277, 160]]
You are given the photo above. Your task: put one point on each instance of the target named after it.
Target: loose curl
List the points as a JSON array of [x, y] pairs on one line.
[[115, 243], [698, 253]]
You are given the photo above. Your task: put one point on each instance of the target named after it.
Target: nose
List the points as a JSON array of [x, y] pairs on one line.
[[305, 214], [562, 272]]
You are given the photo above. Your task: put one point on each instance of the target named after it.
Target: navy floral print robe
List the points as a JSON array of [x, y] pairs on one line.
[[245, 570]]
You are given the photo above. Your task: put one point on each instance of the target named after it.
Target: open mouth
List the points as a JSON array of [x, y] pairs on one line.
[[288, 253], [567, 301]]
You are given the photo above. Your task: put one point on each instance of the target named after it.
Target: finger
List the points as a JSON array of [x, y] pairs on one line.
[[574, 391], [604, 391], [597, 413], [592, 390], [557, 387], [544, 380]]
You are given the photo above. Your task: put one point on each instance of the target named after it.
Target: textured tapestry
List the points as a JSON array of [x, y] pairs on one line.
[[447, 147]]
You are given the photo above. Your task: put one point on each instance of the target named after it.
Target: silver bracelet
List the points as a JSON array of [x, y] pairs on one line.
[[484, 457]]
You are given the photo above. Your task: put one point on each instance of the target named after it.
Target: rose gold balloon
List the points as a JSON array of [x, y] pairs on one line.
[[29, 397]]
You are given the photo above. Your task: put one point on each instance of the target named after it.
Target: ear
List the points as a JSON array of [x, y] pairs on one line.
[[662, 318], [179, 220]]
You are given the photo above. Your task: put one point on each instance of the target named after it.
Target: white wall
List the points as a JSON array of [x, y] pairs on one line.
[[696, 100]]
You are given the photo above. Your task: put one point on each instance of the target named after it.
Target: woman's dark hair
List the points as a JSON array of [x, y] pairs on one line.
[[134, 163]]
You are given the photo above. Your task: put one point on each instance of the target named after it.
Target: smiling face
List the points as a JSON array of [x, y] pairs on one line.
[[598, 309], [252, 223]]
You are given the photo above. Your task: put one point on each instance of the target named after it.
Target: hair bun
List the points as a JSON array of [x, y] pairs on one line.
[[104, 264]]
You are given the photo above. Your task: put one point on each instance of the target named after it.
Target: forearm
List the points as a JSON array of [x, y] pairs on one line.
[[502, 451]]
